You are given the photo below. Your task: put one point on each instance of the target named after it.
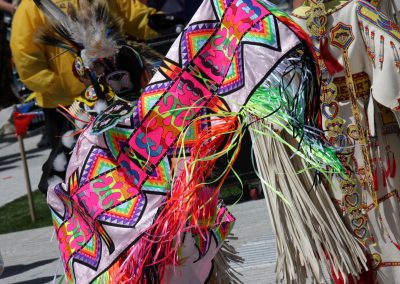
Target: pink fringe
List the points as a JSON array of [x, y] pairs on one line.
[[191, 207]]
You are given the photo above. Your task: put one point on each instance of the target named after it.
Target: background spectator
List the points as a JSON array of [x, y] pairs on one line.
[[47, 70], [7, 97], [182, 9]]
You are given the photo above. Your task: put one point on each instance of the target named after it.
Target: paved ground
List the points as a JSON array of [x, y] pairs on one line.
[[12, 180], [31, 257]]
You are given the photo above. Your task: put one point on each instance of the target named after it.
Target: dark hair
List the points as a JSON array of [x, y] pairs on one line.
[[128, 59]]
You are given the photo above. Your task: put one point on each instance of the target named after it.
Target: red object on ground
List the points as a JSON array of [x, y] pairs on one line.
[[22, 122], [331, 63], [253, 193]]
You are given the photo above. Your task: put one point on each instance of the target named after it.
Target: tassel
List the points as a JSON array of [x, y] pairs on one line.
[[393, 170], [395, 55], [375, 175], [382, 51], [190, 206], [367, 40], [331, 62], [373, 53], [391, 167], [384, 178], [396, 245], [388, 171]]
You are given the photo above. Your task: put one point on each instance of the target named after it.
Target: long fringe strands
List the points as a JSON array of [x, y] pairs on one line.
[[223, 273], [128, 261], [192, 204], [310, 231], [295, 109], [290, 150]]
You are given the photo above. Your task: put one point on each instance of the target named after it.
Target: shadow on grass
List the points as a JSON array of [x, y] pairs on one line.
[[14, 216], [21, 268]]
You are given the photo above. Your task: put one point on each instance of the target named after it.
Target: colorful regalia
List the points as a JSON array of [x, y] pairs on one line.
[[358, 53], [140, 200]]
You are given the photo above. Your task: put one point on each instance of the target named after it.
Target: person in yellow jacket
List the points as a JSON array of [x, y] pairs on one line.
[[47, 70]]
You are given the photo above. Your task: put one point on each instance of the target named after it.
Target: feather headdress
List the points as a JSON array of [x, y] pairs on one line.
[[91, 31]]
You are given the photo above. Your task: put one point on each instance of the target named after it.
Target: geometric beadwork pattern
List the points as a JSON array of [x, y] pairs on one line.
[[193, 40], [149, 97], [98, 162], [202, 241], [191, 135], [116, 138], [158, 181], [126, 214], [223, 225], [170, 69], [234, 79], [73, 182], [264, 33], [90, 254], [219, 7], [368, 12]]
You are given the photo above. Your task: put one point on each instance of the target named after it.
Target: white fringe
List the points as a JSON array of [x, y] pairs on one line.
[[310, 231], [223, 272]]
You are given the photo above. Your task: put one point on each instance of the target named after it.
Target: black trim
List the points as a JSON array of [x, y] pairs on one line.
[[163, 65], [279, 61]]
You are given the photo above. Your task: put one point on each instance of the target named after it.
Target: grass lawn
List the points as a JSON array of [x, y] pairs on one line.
[[231, 194], [14, 216]]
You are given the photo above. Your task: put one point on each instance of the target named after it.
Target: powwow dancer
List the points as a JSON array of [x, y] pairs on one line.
[[125, 70], [357, 49], [366, 93], [140, 203]]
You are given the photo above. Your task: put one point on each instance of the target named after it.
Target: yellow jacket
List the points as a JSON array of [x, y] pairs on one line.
[[136, 16], [47, 70]]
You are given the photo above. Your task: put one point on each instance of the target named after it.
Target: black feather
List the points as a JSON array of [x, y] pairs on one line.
[[58, 22], [72, 12]]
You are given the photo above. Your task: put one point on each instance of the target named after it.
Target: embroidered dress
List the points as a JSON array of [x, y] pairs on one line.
[[358, 51], [140, 201]]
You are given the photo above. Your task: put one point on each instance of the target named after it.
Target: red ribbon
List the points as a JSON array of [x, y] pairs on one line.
[[332, 65], [393, 170]]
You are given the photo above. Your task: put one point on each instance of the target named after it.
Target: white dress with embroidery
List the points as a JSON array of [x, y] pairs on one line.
[[373, 56]]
